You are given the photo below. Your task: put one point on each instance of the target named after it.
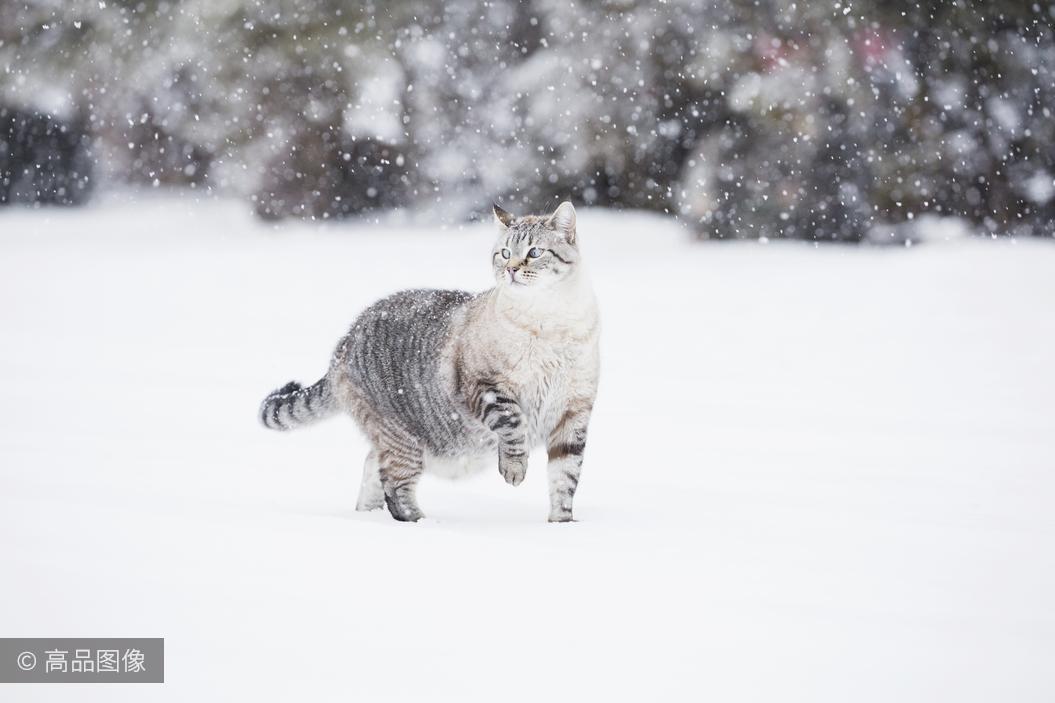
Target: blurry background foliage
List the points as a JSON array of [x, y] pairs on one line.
[[820, 121]]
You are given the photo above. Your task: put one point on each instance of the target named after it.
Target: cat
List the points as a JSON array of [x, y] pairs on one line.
[[442, 378]]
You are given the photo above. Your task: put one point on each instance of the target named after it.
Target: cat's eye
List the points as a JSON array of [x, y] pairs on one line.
[[505, 253], [534, 253]]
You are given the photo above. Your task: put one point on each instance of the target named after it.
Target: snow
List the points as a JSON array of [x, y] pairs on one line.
[[814, 473], [1040, 187]]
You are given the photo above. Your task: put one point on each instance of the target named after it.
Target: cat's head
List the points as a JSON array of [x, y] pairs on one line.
[[535, 252]]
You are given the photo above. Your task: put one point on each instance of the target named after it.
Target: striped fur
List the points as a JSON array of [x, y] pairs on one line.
[[440, 379], [292, 405]]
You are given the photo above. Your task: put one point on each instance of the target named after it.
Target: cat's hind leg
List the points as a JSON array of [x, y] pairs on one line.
[[401, 462], [371, 492]]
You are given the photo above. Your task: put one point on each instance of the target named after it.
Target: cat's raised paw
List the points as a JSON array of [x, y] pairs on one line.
[[513, 469]]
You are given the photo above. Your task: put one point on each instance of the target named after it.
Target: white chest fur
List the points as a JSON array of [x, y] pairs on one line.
[[546, 346]]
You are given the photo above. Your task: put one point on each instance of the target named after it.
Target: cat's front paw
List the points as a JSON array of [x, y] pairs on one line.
[[513, 469]]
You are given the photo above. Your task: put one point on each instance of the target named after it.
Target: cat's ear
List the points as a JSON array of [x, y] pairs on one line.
[[563, 220], [503, 218]]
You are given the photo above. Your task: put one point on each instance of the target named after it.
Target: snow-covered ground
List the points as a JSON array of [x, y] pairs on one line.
[[814, 474]]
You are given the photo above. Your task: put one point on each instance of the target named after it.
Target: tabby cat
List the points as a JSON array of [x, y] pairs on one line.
[[443, 380]]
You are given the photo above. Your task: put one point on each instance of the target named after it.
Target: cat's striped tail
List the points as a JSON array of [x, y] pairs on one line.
[[292, 405]]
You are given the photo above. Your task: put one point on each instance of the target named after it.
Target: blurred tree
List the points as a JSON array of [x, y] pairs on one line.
[[43, 160], [748, 118]]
